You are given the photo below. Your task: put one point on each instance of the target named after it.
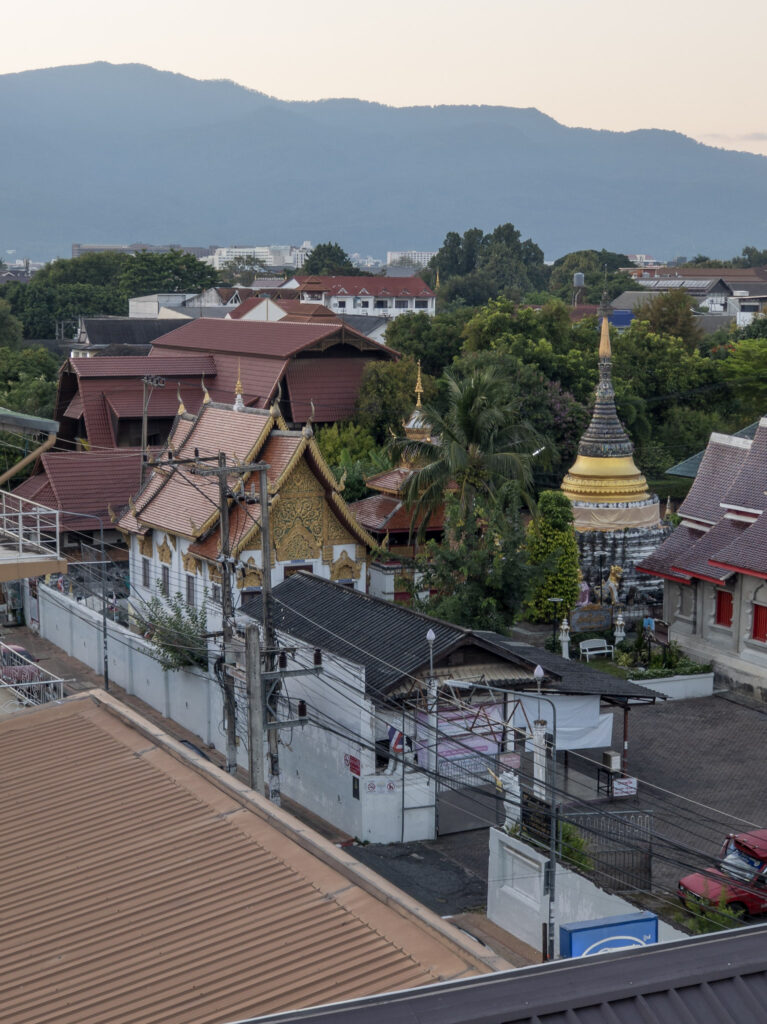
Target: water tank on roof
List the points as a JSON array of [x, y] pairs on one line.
[[579, 280]]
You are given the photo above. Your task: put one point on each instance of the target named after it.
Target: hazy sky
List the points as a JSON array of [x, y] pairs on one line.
[[691, 65]]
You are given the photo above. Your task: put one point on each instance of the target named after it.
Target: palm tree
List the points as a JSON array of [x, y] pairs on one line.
[[479, 444]]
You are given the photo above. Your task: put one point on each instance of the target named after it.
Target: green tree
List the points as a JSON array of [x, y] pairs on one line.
[[435, 340], [478, 576], [352, 453], [176, 631], [480, 442], [28, 380], [94, 268], [601, 270], [148, 272], [551, 547], [11, 331], [671, 313], [746, 373], [328, 258], [387, 396]]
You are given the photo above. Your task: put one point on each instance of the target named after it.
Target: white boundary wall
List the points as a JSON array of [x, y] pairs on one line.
[[318, 761], [517, 902], [187, 696]]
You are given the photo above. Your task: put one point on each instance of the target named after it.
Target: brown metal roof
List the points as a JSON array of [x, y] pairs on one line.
[[273, 338], [143, 885], [136, 366], [330, 384]]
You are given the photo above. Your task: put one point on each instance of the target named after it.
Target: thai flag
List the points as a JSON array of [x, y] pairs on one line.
[[396, 741]]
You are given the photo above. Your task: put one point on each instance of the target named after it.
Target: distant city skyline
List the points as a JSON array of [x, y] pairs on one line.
[[596, 64]]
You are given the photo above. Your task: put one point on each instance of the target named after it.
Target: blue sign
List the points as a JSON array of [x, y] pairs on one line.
[[607, 934]]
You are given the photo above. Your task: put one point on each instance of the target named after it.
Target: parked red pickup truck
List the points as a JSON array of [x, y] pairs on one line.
[[741, 874]]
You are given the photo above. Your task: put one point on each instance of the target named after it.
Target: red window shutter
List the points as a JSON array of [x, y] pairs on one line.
[[759, 629], [723, 608]]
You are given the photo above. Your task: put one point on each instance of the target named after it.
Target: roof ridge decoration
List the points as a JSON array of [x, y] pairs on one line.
[[239, 405]]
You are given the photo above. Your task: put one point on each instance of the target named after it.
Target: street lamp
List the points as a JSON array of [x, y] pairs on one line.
[[431, 706], [538, 675]]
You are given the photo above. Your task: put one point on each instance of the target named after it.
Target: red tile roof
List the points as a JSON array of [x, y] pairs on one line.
[[246, 306], [332, 384], [390, 481], [85, 482], [380, 287], [382, 513]]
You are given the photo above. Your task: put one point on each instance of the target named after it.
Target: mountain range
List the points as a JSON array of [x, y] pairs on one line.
[[119, 153]]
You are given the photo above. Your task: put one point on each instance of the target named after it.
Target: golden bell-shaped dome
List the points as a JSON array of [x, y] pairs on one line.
[[604, 471]]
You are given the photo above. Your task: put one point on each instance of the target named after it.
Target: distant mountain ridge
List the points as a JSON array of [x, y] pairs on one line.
[[120, 153]]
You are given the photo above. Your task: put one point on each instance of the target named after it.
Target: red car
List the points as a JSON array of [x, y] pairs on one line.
[[741, 875]]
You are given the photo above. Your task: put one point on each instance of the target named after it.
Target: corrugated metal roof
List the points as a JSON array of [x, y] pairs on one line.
[[136, 366], [141, 884], [709, 979], [250, 337], [389, 640], [125, 330]]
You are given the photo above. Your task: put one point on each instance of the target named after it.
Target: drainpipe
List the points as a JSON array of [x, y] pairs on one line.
[[48, 443]]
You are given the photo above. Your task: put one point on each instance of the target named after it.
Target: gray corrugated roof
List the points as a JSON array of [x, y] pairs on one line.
[[390, 640], [569, 675], [125, 330], [720, 978]]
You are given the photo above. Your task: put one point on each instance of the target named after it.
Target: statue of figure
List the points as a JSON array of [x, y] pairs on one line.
[[613, 581], [584, 591]]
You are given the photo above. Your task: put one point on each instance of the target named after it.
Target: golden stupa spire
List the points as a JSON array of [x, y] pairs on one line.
[[604, 340], [418, 387], [239, 405], [436, 280]]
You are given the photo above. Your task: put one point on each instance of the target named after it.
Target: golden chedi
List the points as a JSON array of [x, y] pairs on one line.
[[605, 487]]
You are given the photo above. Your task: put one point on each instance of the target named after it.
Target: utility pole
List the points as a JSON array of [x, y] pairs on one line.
[[230, 704], [269, 644], [150, 382], [256, 723]]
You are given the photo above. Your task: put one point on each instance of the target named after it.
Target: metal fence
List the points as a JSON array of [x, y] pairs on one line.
[[26, 525], [619, 846]]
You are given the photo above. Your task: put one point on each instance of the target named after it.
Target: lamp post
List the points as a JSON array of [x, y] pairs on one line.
[[538, 675], [601, 556], [150, 382], [431, 707]]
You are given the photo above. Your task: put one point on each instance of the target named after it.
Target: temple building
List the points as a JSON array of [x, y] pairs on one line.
[[714, 564], [173, 527], [388, 519], [617, 519]]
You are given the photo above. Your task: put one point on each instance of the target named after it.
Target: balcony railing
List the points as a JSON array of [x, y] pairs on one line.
[[24, 683]]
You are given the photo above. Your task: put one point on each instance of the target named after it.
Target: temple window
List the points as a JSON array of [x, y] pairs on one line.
[[723, 608], [759, 624]]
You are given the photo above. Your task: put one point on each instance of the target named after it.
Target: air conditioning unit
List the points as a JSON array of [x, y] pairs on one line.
[[611, 759]]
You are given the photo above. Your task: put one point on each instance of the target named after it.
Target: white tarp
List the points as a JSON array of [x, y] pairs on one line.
[[580, 726]]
